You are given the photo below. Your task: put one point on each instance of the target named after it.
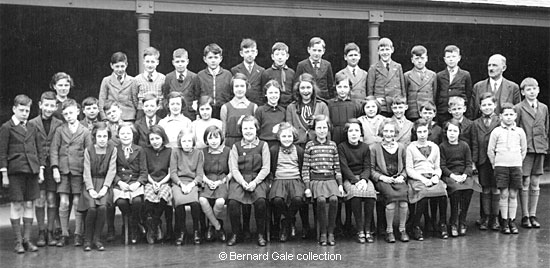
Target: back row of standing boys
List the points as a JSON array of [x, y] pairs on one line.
[[357, 138]]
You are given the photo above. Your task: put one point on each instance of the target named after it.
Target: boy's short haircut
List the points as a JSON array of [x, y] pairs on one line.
[[428, 106], [58, 76], [180, 53], [89, 101], [350, 47], [100, 126], [205, 100], [109, 104], [529, 81], [213, 131], [452, 48], [456, 101], [418, 51], [315, 41], [151, 51], [279, 46], [507, 105], [69, 103], [248, 43], [119, 57], [399, 99], [487, 95], [151, 96], [48, 95], [385, 42], [213, 48], [22, 99]]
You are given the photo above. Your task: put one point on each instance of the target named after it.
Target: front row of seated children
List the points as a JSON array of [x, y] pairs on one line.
[[145, 182]]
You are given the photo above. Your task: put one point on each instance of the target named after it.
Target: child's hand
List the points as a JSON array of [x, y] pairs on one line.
[[252, 186], [307, 193], [123, 186], [399, 179], [341, 190], [134, 186], [435, 179], [362, 185], [102, 192], [387, 179], [5, 181], [93, 193], [56, 175], [427, 182], [41, 176]]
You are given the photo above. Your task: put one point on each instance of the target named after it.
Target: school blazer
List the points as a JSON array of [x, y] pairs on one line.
[[143, 131], [480, 139], [125, 95], [132, 169], [508, 92], [378, 162], [419, 91], [189, 88], [255, 92], [358, 83], [385, 84], [45, 138], [405, 133], [20, 149], [461, 86], [67, 149], [536, 125], [324, 77]]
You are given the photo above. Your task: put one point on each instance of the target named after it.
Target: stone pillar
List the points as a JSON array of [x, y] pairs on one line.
[[144, 9], [375, 18]]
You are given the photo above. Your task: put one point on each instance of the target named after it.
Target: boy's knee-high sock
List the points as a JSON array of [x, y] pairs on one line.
[[16, 227], [512, 208], [27, 228], [486, 204], [495, 204], [534, 201], [64, 221], [52, 214], [78, 221], [503, 205], [524, 199], [40, 217]]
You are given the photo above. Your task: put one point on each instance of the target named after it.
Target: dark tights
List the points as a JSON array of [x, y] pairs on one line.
[[195, 214], [132, 210], [234, 208], [439, 202], [362, 223], [417, 210], [322, 213], [460, 202], [95, 220], [280, 208]]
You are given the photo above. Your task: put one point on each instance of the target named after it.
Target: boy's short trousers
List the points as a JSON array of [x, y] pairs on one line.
[[508, 177], [70, 184], [49, 183], [533, 164], [486, 175], [23, 187]]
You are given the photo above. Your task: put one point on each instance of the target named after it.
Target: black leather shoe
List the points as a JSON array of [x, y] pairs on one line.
[[369, 237], [221, 232], [63, 240], [443, 230], [403, 236], [196, 237], [19, 249], [41, 238], [361, 237], [87, 246], [462, 229], [495, 225], [390, 238], [484, 224], [330, 240], [513, 226], [181, 239], [534, 222], [261, 240], [51, 239], [526, 223], [29, 246], [417, 233], [210, 233], [99, 246], [454, 230], [77, 240], [505, 227], [323, 240], [232, 240]]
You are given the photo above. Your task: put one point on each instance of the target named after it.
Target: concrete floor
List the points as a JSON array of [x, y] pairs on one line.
[[531, 248]]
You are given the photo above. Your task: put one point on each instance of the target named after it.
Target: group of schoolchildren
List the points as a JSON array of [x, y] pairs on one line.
[[276, 140]]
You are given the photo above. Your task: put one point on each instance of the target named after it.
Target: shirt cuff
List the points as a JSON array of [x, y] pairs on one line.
[[3, 169]]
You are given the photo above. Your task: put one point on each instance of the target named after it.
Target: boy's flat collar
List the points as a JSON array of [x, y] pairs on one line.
[[17, 121], [279, 67]]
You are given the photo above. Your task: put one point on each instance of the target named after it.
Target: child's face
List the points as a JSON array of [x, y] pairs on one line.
[[371, 109], [62, 87], [487, 106], [352, 58], [279, 57], [428, 115], [321, 129], [155, 140], [305, 89], [272, 94], [385, 53], [452, 59], [119, 68], [286, 137], [530, 92], [21, 112], [508, 116], [126, 135], [249, 131], [212, 60], [101, 138], [452, 133], [239, 88], [113, 114], [214, 141], [316, 52], [150, 108], [419, 61], [399, 110], [342, 89], [457, 111], [174, 104], [205, 111], [150, 63], [388, 132], [422, 133], [71, 114], [180, 64], [249, 54], [47, 107], [91, 111], [354, 133]]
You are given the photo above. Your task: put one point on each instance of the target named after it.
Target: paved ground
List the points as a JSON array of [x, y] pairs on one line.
[[531, 248]]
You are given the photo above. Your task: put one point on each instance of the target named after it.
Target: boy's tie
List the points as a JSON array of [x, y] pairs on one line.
[[353, 72], [150, 77], [23, 125], [119, 78], [316, 67], [283, 79], [388, 67], [181, 78], [150, 123]]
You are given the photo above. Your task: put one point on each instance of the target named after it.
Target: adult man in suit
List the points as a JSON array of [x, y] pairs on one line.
[[319, 68], [503, 89], [184, 81]]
